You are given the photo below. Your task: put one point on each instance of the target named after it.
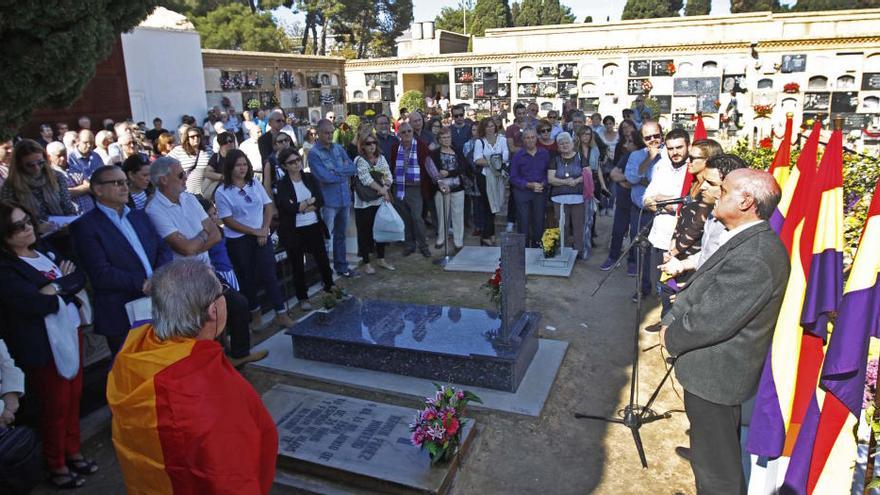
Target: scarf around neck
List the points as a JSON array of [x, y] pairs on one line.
[[401, 165]]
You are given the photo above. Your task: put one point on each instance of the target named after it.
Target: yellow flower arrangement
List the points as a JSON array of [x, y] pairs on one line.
[[550, 242]]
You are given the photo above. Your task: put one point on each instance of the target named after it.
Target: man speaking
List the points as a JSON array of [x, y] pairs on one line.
[[721, 326]]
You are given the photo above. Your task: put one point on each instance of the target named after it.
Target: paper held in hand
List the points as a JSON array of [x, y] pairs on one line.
[[139, 310]]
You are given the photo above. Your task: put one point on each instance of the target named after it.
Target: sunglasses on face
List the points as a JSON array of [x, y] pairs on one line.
[[117, 183], [247, 199], [22, 225], [652, 137], [292, 161], [194, 136], [181, 175], [458, 115], [36, 163], [542, 131]]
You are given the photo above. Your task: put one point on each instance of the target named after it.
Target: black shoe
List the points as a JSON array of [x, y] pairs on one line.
[[425, 251], [654, 328], [684, 453], [408, 251]]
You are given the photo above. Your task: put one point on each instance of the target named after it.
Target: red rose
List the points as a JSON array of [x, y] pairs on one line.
[[767, 143], [451, 426]]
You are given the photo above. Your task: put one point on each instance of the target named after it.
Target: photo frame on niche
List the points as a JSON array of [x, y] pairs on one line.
[[639, 68]]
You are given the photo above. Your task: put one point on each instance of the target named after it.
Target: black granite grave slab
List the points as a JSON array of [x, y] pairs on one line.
[[354, 442], [442, 343]]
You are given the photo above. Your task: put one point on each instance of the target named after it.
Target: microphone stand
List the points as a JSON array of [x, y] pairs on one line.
[[634, 415]]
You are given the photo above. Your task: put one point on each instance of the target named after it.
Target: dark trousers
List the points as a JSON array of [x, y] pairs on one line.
[[237, 321], [59, 410], [487, 217], [530, 208], [476, 210], [114, 342], [664, 290], [511, 207], [715, 447], [410, 209], [642, 220], [254, 266], [363, 219], [621, 223], [309, 239]]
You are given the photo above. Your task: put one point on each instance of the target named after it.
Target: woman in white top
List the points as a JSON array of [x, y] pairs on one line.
[[192, 157], [566, 177], [372, 172], [102, 143], [246, 211], [491, 158]]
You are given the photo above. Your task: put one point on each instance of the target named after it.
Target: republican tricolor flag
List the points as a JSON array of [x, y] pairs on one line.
[[781, 162]]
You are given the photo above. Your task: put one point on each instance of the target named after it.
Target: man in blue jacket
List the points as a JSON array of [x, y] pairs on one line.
[[119, 249], [330, 164]]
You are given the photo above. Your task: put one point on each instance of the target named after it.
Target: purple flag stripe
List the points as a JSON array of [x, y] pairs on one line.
[[798, 472], [824, 291], [843, 373], [767, 429], [776, 221]]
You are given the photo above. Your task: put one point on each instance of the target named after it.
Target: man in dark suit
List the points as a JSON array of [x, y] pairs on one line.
[[721, 325], [119, 249]]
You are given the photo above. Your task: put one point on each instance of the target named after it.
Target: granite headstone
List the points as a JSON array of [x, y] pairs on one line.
[[513, 283]]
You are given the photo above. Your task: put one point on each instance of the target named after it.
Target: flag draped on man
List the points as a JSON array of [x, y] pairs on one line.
[[822, 297], [774, 423], [184, 421], [781, 162]]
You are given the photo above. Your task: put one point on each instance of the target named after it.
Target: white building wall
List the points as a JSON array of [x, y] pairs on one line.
[[165, 75]]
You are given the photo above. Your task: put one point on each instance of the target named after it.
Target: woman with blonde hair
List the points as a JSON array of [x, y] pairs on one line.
[[163, 145]]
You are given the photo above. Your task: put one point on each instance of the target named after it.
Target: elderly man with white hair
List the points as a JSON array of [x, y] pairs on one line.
[[181, 221]]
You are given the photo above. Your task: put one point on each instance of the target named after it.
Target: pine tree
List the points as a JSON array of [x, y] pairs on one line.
[[451, 19], [698, 7], [739, 6], [651, 9], [556, 13], [816, 5], [50, 54], [588, 19], [490, 14], [527, 13], [235, 27]]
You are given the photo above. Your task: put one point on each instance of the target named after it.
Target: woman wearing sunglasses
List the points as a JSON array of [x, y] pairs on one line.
[[373, 173], [33, 183], [192, 157], [300, 227], [38, 297], [246, 211]]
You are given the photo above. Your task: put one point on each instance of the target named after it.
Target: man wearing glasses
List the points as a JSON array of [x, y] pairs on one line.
[[639, 171], [266, 142], [386, 139], [460, 128], [119, 249], [555, 126], [181, 221]]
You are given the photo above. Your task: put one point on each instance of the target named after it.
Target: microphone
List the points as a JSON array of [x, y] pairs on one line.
[[684, 200]]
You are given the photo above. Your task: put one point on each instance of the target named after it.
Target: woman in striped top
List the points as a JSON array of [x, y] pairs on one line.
[[139, 188], [192, 156]]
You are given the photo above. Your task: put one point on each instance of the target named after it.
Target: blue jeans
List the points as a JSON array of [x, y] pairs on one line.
[[336, 219], [589, 219], [635, 225]]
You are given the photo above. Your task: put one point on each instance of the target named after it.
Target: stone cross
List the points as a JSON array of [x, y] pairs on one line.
[[513, 284]]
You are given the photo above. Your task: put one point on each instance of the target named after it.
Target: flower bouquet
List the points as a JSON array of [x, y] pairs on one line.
[[549, 91], [791, 88], [253, 104], [493, 287], [762, 111], [647, 86], [550, 242], [670, 68], [438, 426]]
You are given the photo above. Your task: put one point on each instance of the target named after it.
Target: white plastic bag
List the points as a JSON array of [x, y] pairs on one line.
[[388, 226], [64, 340]]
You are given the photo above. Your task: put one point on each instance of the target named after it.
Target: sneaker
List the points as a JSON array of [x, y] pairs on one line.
[[282, 320], [654, 328], [631, 269], [384, 264], [368, 269], [250, 358], [509, 227], [608, 265], [348, 274], [305, 305]]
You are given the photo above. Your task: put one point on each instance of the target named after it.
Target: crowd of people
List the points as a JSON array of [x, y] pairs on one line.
[[222, 192]]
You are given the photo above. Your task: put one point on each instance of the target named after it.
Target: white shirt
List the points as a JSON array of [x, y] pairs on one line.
[[244, 205], [483, 149], [666, 180], [711, 241], [185, 217], [302, 194], [728, 234], [51, 271]]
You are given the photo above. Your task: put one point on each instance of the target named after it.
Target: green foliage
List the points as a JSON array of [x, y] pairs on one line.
[[556, 13], [235, 27], [651, 9], [860, 175], [697, 7], [540, 13], [51, 52], [489, 14], [815, 5], [411, 100], [362, 28], [588, 19], [740, 6], [450, 19]]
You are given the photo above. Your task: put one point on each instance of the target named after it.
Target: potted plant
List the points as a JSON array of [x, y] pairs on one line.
[[438, 425]]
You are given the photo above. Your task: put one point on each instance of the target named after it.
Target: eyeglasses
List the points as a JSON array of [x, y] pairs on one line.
[[182, 175], [292, 161], [652, 137], [117, 183], [458, 115], [282, 141], [697, 157], [194, 136], [22, 225], [247, 199], [36, 163], [542, 131]]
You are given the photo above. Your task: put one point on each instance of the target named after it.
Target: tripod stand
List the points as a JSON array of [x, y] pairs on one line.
[[635, 415]]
